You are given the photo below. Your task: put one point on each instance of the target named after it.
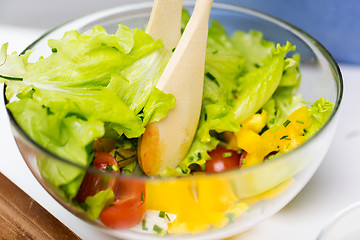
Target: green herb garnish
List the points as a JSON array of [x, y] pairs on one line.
[[162, 214], [230, 216], [158, 229], [286, 123], [115, 167], [11, 78], [212, 78], [144, 225], [118, 154], [226, 154], [285, 136], [109, 168]]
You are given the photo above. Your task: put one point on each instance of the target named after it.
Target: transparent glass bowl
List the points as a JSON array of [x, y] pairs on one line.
[[344, 225], [259, 191]]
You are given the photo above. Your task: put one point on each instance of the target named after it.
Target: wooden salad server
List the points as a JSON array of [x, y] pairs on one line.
[[166, 143], [165, 22]]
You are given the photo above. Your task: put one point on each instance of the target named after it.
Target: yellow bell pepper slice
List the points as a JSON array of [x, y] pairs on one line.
[[285, 138]]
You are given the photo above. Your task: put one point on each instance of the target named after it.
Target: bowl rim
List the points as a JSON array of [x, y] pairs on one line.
[[336, 218], [223, 6]]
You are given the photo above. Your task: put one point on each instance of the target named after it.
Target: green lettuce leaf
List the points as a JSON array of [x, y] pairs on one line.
[[281, 105], [320, 112], [285, 100], [93, 84], [223, 65], [66, 136], [185, 17], [95, 204], [157, 106], [257, 86], [241, 74], [291, 75], [3, 51], [252, 47], [136, 83]]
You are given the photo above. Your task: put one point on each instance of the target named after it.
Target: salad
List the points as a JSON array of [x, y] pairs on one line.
[[90, 101]]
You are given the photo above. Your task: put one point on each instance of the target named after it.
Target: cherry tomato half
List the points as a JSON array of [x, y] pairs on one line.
[[94, 183], [222, 159], [129, 206], [123, 214]]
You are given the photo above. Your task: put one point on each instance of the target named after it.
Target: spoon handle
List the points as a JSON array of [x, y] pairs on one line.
[[166, 143], [165, 22]]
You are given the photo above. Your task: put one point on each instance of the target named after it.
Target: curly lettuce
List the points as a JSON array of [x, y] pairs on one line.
[[242, 72], [92, 84]]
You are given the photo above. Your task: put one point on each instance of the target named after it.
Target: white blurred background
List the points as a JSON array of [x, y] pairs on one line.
[[47, 14]]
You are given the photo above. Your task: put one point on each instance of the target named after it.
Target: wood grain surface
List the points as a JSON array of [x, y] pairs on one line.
[[23, 218]]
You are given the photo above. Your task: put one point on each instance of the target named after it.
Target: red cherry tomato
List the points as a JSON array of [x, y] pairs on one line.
[[104, 159], [222, 159], [129, 207], [242, 158], [94, 183]]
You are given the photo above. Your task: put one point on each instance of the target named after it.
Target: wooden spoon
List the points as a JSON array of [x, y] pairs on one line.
[[165, 143], [165, 22]]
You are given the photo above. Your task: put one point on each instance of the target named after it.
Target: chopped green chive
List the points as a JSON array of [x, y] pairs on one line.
[[199, 155], [301, 122], [209, 75], [243, 161], [142, 196], [144, 225], [285, 136], [287, 146], [286, 123], [167, 217], [212, 78], [157, 229], [230, 216], [126, 158], [173, 50], [115, 168], [226, 154], [54, 50], [162, 214], [118, 154], [109, 168], [11, 78]]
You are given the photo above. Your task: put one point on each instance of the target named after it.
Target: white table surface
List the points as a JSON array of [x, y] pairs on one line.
[[333, 187]]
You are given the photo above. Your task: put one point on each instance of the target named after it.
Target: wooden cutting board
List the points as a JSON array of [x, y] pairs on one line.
[[23, 218]]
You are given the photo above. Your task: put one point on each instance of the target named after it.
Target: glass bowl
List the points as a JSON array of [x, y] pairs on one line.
[[247, 195], [343, 225]]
